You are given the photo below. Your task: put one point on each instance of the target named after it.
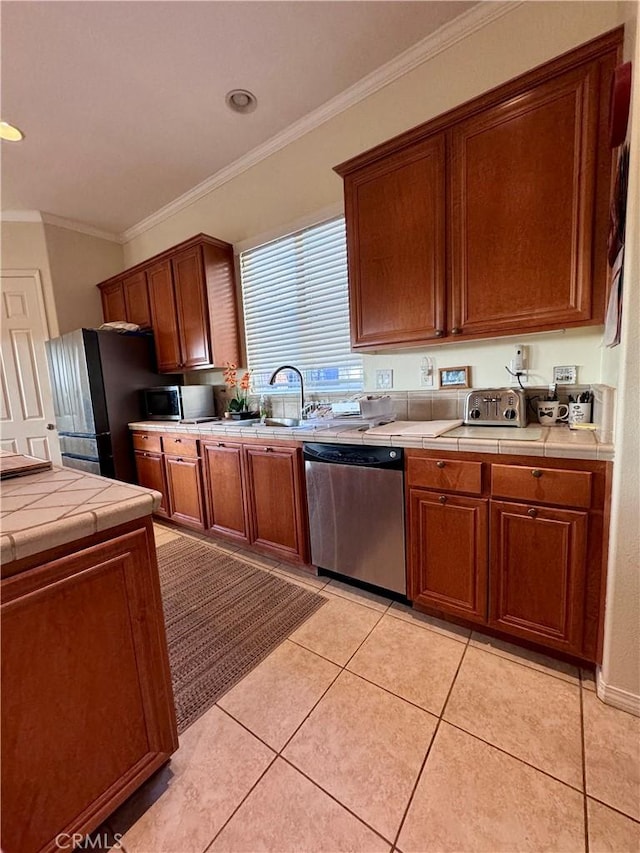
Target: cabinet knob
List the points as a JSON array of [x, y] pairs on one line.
[[532, 513], [439, 333], [443, 499], [440, 463], [537, 473], [457, 330]]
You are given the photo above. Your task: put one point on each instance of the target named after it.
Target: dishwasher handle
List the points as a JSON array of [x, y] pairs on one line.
[[357, 455]]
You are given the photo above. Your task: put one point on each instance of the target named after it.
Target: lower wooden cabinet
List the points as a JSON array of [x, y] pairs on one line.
[[448, 553], [184, 487], [225, 493], [87, 705], [244, 490], [538, 569], [276, 499], [150, 471], [255, 494], [519, 566]]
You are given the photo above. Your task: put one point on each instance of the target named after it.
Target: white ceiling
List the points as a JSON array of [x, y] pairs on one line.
[[122, 103]]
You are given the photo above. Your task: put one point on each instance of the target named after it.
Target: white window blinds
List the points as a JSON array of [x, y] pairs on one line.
[[296, 310]]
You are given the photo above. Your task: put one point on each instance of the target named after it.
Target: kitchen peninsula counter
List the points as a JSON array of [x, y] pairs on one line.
[[58, 507], [555, 442], [87, 710]]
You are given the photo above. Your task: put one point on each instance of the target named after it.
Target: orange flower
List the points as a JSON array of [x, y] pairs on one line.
[[230, 375], [245, 382]]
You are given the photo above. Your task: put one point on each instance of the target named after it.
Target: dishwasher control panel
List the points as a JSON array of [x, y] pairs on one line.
[[354, 454], [491, 406]]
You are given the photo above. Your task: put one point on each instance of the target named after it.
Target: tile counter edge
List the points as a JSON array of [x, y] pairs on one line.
[[98, 504], [556, 442]]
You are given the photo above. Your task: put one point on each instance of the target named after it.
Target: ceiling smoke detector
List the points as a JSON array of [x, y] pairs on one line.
[[241, 101]]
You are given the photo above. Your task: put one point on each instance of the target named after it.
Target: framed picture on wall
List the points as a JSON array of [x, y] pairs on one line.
[[455, 377]]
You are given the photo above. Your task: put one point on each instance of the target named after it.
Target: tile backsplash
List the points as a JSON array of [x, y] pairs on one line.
[[439, 404]]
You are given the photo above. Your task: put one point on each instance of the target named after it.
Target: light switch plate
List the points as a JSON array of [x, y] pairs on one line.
[[566, 374], [384, 380]]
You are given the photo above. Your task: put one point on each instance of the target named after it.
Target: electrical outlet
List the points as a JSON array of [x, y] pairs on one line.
[[427, 372], [519, 359], [384, 380], [566, 374]]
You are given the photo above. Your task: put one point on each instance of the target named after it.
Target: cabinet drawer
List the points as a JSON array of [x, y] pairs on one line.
[[180, 445], [147, 441], [543, 485], [447, 474]]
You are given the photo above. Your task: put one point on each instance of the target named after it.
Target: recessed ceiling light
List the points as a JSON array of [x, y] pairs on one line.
[[10, 133], [241, 101]]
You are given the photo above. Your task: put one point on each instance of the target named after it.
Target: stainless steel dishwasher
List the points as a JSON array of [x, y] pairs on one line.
[[355, 495]]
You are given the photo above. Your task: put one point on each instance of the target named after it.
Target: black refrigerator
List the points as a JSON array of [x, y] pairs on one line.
[[96, 377]]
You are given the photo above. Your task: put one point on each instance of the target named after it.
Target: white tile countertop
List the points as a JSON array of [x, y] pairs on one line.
[[556, 441], [42, 511]]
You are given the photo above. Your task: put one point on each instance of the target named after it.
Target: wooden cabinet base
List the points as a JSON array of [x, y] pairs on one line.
[[87, 711]]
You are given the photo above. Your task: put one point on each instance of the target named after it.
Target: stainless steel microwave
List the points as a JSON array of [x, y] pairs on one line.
[[178, 402]]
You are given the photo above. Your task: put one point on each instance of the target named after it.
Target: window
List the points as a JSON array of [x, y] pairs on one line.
[[296, 310]]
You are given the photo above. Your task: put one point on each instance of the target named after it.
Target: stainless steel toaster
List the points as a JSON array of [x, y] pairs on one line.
[[491, 406]]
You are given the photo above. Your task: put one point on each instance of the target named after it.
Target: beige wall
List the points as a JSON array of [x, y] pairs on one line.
[[23, 246], [299, 180], [620, 676], [78, 262]]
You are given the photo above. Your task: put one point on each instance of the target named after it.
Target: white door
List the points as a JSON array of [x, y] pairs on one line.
[[27, 421]]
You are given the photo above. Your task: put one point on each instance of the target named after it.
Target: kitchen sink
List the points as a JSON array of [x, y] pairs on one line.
[[284, 422]]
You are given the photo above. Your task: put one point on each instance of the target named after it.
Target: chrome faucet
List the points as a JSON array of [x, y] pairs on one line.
[[295, 370]]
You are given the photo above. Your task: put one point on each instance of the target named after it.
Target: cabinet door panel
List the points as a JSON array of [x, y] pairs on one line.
[[224, 489], [86, 624], [448, 553], [522, 184], [150, 470], [395, 236], [276, 500], [191, 301], [136, 298], [184, 484], [113, 305], [164, 317], [538, 567]]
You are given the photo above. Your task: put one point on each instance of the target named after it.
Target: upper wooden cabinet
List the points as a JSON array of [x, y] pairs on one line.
[[187, 296], [136, 299], [396, 220], [518, 180], [113, 305]]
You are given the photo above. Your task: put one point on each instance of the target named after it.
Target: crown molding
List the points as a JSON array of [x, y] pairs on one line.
[[59, 222], [81, 227], [21, 216], [476, 18]]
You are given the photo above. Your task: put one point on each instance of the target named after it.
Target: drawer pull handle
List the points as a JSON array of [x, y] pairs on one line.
[[179, 459], [221, 444], [532, 513], [269, 449], [443, 499], [440, 463], [145, 437], [177, 440], [456, 330], [537, 473]]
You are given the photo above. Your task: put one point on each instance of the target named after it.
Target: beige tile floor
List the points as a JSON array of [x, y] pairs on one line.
[[373, 728]]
